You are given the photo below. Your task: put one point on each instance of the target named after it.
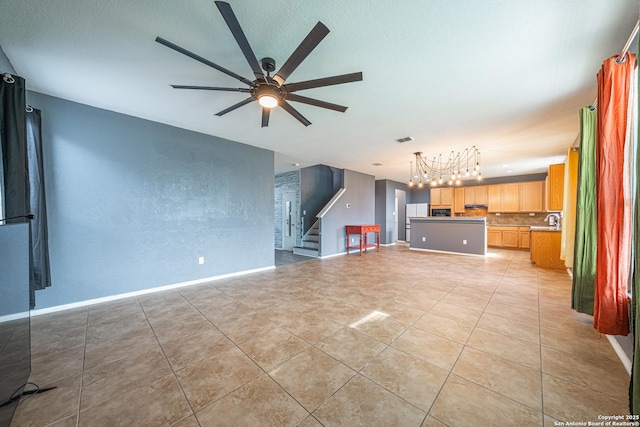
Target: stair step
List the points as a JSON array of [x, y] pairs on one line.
[[312, 238], [298, 250], [310, 244]]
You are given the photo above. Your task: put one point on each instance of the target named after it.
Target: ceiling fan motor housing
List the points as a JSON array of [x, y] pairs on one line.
[[268, 64], [268, 89]]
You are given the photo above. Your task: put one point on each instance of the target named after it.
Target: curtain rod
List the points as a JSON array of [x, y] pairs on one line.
[[624, 51]]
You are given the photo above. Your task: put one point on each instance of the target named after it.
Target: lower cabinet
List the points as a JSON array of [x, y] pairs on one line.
[[545, 249], [510, 237]]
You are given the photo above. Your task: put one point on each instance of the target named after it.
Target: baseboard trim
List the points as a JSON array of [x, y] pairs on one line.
[[116, 297], [620, 352], [446, 252]]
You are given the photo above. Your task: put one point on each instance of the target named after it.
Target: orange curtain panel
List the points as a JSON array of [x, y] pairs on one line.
[[613, 254]]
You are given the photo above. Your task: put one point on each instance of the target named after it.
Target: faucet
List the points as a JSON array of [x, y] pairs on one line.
[[554, 220]]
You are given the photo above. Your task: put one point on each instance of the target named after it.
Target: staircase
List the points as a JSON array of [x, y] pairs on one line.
[[310, 242]]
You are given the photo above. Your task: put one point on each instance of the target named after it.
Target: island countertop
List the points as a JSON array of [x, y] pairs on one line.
[[457, 219]]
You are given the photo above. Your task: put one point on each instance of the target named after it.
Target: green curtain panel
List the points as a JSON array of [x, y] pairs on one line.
[[584, 255]]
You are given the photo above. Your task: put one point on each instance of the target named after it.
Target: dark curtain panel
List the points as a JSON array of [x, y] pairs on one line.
[[584, 251], [13, 143], [40, 277], [23, 175]]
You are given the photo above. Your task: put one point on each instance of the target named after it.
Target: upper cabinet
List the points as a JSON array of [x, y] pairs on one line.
[[532, 196], [516, 197], [555, 187], [510, 197], [442, 196], [476, 195], [459, 199]]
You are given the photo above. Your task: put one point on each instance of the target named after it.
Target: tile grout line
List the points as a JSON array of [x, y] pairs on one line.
[[84, 361]]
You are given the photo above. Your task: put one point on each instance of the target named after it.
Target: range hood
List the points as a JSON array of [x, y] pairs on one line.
[[475, 206]]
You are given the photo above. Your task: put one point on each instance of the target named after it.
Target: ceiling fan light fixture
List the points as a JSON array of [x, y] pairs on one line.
[[268, 101]]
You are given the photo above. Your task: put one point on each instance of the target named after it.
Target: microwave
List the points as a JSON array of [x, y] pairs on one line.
[[440, 212]]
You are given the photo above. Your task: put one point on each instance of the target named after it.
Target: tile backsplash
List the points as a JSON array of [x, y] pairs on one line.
[[507, 218]]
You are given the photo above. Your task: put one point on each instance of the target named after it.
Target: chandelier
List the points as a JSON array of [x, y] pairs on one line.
[[463, 165]]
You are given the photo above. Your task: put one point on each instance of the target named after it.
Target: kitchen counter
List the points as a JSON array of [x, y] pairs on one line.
[[545, 228]]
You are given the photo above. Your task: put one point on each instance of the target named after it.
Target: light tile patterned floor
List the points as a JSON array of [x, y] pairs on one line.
[[396, 338]]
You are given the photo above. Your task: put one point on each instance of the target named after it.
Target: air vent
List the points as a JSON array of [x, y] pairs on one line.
[[405, 139], [376, 164]]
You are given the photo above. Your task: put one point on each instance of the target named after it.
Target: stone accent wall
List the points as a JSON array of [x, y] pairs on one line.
[[289, 181]]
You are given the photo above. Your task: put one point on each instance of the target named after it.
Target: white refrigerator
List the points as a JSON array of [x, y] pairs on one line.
[[414, 210]]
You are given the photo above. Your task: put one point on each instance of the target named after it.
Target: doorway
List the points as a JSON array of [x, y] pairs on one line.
[[399, 216], [288, 220]]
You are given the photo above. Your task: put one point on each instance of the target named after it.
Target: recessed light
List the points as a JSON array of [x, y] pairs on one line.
[[509, 171], [376, 164]]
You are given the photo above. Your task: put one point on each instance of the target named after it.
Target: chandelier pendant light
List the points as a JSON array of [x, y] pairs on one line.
[[458, 167]]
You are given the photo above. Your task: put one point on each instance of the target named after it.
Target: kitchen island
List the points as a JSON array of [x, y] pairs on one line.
[[466, 235]]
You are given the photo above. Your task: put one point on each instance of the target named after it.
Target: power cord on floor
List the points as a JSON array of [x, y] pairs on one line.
[[16, 395]]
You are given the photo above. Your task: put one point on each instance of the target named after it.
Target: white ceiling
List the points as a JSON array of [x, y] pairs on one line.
[[506, 76]]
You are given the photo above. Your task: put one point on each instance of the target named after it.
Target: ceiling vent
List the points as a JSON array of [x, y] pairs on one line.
[[405, 139], [376, 164]]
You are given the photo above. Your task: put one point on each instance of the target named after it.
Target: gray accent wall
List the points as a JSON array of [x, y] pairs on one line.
[[133, 204], [356, 206], [289, 181], [318, 184]]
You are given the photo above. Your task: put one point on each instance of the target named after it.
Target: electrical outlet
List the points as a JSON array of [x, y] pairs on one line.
[[532, 214], [497, 213], [464, 242], [353, 240], [424, 239], [201, 260]]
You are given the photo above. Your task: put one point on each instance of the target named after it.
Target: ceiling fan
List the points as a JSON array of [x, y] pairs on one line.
[[270, 91]]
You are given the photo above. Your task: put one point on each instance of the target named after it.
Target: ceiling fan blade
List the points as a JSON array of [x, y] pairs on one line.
[[302, 51], [265, 116], [289, 109], [225, 89], [316, 102], [234, 106], [326, 81], [241, 39], [203, 60]]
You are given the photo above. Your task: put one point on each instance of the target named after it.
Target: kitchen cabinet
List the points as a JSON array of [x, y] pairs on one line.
[[524, 239], [459, 195], [494, 202], [476, 195], [504, 197], [510, 197], [545, 249], [515, 197], [532, 196], [442, 197], [508, 236], [555, 187], [494, 237]]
